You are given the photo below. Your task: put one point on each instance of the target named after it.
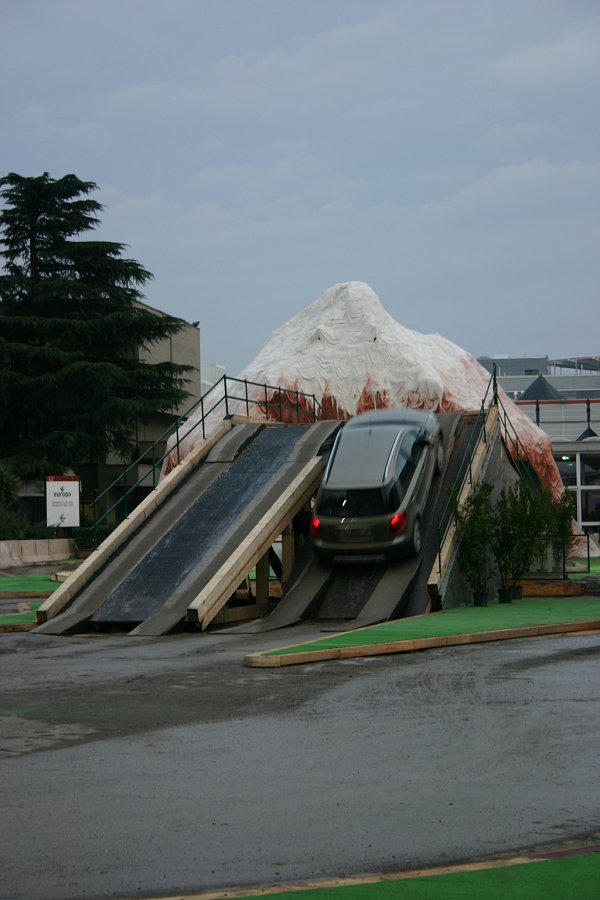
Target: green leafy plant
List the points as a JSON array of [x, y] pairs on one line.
[[73, 382], [514, 533], [474, 526], [553, 533], [12, 522]]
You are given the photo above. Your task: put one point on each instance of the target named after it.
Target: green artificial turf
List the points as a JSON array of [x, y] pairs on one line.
[[21, 584], [529, 611], [594, 570], [20, 618], [550, 879]]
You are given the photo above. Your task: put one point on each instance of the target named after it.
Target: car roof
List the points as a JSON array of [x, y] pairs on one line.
[[388, 416], [361, 455]]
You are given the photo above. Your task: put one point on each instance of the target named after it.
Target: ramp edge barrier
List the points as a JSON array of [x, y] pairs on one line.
[[33, 552], [277, 659], [450, 541], [277, 404], [107, 549], [221, 586]]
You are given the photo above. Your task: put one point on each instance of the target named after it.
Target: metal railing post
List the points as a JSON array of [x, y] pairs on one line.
[[226, 397], [125, 494], [177, 440], [589, 564], [246, 394]]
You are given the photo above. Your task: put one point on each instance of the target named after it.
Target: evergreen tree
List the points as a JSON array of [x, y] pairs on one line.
[[72, 386]]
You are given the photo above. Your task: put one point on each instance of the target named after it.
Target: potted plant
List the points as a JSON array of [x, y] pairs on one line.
[[553, 530], [562, 528], [504, 542], [474, 526], [523, 527]]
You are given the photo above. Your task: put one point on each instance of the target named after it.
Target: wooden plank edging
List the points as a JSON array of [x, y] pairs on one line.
[[205, 606], [413, 644]]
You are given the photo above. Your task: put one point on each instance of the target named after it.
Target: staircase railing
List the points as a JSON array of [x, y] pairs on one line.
[[521, 456], [464, 474], [273, 402]]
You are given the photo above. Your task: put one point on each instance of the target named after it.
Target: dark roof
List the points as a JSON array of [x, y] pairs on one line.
[[540, 389]]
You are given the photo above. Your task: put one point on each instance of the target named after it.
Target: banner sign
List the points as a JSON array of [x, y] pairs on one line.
[[62, 501]]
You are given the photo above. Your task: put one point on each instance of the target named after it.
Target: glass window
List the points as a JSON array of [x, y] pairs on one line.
[[590, 469], [572, 495], [590, 506], [356, 502], [361, 456], [567, 467]]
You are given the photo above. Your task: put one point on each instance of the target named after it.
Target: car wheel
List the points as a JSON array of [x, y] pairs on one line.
[[417, 538], [439, 456]]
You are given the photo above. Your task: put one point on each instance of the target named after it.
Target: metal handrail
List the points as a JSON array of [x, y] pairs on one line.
[[521, 455], [505, 422], [464, 473], [304, 404]]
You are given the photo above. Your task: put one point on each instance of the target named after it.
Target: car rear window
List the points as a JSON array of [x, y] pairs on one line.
[[361, 456], [357, 502]]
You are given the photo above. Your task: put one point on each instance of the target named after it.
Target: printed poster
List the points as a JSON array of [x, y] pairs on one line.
[[62, 501]]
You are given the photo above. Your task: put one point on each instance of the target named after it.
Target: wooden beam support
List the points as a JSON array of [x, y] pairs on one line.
[[262, 579]]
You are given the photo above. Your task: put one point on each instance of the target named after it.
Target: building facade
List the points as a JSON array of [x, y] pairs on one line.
[[569, 412]]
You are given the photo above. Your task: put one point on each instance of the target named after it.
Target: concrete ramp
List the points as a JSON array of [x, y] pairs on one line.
[[369, 590], [309, 579], [213, 528]]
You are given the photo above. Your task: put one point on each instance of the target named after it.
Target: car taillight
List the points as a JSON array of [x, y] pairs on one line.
[[315, 525], [398, 521]]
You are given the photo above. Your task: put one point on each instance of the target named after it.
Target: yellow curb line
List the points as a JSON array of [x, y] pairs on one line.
[[260, 660], [320, 884]]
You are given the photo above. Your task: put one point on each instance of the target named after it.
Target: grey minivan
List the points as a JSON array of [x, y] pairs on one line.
[[376, 484]]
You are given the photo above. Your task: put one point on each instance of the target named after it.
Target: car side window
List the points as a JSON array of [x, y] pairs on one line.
[[406, 460]]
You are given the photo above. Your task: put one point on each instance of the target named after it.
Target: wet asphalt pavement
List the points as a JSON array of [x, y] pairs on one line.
[[136, 767]]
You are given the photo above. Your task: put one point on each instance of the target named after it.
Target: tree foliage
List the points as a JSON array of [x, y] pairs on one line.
[[72, 385], [475, 529]]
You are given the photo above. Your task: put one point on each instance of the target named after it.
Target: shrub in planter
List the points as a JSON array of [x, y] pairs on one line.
[[562, 527], [522, 514], [503, 539], [474, 527], [544, 526], [553, 528], [514, 538]]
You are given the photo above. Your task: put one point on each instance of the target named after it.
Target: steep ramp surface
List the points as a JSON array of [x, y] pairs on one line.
[[194, 534], [371, 590]]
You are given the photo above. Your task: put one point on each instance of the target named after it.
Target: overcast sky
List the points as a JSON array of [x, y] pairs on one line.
[[252, 153]]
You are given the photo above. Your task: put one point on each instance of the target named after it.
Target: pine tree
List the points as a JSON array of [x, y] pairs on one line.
[[72, 386]]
